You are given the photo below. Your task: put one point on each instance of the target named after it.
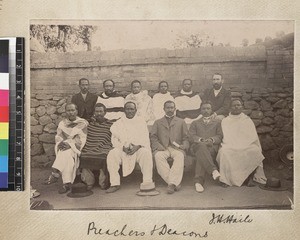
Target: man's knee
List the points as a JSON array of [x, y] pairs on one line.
[[144, 152]]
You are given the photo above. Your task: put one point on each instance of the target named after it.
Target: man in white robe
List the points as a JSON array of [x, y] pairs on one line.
[[240, 153], [70, 139], [160, 98], [130, 139]]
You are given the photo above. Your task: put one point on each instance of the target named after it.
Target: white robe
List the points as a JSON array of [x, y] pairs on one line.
[[158, 104], [125, 131], [240, 153]]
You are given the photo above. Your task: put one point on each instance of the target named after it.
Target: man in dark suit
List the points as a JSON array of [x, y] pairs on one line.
[[218, 96], [169, 138], [84, 100], [205, 136]]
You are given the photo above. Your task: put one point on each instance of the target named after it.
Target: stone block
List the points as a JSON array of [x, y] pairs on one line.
[[50, 128], [36, 149], [267, 121], [257, 114], [281, 121], [34, 103], [265, 106], [236, 94], [43, 97], [50, 110], [283, 112], [246, 97], [247, 111], [34, 140], [269, 114], [61, 102], [273, 99], [33, 121], [44, 120], [275, 132], [32, 111], [251, 105], [47, 138], [53, 116], [49, 149], [288, 128], [280, 104], [62, 109], [36, 129], [42, 159], [264, 129], [41, 110], [280, 141]]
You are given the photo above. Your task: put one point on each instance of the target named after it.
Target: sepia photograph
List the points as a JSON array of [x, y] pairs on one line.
[[161, 115]]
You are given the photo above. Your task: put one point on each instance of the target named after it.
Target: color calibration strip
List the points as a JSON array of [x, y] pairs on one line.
[[4, 112]]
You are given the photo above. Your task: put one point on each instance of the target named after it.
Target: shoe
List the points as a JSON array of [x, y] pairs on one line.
[[64, 188], [216, 175], [177, 188], [171, 188], [113, 189], [260, 180], [199, 188], [51, 180]]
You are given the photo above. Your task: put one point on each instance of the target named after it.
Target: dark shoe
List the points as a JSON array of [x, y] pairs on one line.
[[113, 189], [177, 188], [171, 188], [64, 188], [51, 179]]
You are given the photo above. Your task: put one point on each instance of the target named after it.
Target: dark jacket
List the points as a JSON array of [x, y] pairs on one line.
[[210, 130], [85, 107], [162, 134], [220, 103]]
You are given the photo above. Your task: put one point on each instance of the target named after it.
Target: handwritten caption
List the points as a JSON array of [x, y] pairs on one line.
[[165, 230]]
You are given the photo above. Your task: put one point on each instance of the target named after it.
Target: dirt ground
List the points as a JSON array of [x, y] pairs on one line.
[[214, 196]]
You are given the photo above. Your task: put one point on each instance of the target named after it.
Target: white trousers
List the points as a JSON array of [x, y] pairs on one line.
[[171, 175], [143, 158], [65, 163]]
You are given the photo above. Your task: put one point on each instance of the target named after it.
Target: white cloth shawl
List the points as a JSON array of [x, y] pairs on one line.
[[240, 153]]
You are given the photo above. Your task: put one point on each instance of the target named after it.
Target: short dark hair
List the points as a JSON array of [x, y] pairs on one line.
[[82, 79], [163, 82], [236, 99], [135, 81], [130, 102], [100, 105], [107, 81], [69, 104], [169, 101], [206, 102], [218, 74], [187, 79]]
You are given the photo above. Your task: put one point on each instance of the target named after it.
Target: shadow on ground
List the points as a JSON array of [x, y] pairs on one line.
[[214, 196]]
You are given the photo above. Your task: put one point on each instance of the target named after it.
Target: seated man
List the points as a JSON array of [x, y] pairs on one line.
[[94, 153], [70, 139], [130, 139], [205, 135], [112, 100], [188, 102], [142, 100], [169, 138], [240, 153], [160, 98], [218, 96]]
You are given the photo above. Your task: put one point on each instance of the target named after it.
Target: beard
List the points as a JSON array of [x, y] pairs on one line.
[[217, 86]]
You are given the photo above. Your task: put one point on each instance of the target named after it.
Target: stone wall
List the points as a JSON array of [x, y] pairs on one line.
[[262, 78]]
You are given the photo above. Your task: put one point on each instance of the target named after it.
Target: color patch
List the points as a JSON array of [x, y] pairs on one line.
[[3, 163], [4, 81], [4, 97], [3, 179], [3, 147], [3, 130], [4, 114]]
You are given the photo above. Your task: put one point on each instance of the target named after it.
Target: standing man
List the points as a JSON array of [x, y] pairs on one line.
[[112, 100], [169, 138], [142, 100], [84, 100], [218, 96], [188, 102], [70, 139], [94, 153], [160, 98], [131, 145], [205, 135]]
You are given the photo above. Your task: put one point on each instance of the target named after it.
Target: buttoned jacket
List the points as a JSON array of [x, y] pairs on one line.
[[85, 107], [163, 135]]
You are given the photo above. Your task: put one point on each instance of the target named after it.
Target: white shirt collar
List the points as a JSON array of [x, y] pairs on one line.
[[216, 92]]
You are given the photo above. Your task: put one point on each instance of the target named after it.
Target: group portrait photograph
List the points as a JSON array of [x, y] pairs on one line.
[[161, 115]]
